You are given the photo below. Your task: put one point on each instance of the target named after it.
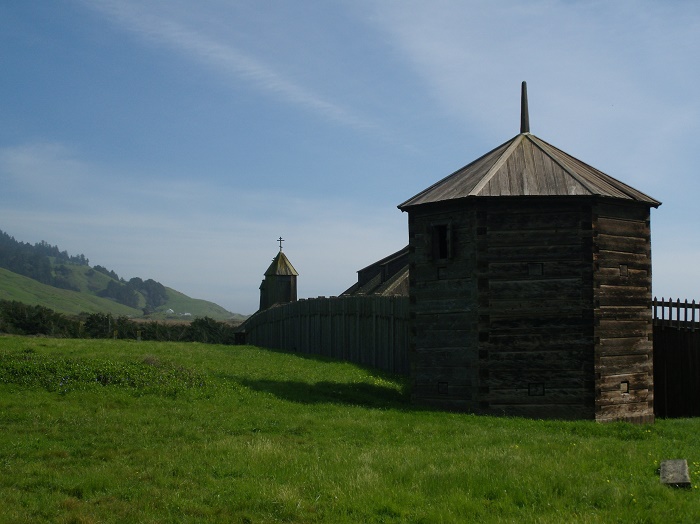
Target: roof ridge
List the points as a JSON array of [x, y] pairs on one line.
[[502, 159], [454, 173], [542, 146], [281, 266], [608, 180]]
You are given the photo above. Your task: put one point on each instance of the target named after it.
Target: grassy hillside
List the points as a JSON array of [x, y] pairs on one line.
[[28, 291], [115, 431], [181, 304], [89, 281]]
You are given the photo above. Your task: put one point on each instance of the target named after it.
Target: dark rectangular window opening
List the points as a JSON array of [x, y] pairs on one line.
[[625, 386], [624, 271], [442, 245]]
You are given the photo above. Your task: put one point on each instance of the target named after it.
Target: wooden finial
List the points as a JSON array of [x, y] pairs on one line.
[[524, 114]]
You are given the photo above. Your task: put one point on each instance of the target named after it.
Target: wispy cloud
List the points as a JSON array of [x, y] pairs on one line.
[[599, 73], [163, 27], [41, 168]]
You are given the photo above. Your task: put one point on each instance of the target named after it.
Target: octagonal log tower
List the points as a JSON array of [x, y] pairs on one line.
[[530, 288]]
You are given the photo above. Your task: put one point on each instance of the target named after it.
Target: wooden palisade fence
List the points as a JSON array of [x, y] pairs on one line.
[[374, 331], [676, 358], [368, 330]]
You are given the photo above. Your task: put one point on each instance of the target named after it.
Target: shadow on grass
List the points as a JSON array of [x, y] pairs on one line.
[[360, 394]]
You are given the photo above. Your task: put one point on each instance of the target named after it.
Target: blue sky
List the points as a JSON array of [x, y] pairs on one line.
[[177, 140]]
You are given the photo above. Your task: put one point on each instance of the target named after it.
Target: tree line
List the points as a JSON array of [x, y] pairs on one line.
[[17, 318], [34, 261], [126, 293]]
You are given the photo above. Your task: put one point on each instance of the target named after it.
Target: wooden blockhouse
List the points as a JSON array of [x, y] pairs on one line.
[[530, 288]]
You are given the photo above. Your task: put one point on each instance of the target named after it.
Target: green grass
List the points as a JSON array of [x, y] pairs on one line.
[[201, 433]]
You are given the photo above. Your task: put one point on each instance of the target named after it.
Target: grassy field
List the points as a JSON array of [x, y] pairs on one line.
[[115, 431]]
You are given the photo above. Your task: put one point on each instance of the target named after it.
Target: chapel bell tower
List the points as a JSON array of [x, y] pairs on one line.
[[280, 283]]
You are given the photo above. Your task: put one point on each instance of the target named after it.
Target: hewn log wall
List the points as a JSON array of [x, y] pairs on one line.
[[536, 321], [444, 316], [533, 307], [623, 326]]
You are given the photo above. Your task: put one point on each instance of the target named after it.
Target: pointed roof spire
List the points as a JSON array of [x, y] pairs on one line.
[[524, 114], [281, 266]]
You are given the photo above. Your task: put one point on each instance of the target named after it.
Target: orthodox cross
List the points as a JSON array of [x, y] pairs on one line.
[[280, 240]]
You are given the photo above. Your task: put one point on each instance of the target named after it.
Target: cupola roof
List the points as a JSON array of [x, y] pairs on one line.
[[527, 166]]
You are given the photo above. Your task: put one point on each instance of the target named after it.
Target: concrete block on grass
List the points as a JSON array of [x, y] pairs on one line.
[[675, 473]]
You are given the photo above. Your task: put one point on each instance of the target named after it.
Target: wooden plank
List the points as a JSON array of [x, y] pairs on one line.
[[460, 355], [609, 258], [516, 396], [538, 238], [614, 277], [616, 365], [532, 219], [618, 244], [632, 211], [436, 306], [623, 329], [636, 381], [447, 289], [622, 296], [539, 360], [535, 289], [550, 269], [539, 324], [621, 227], [637, 312], [449, 320], [534, 253], [436, 338], [543, 308], [610, 347], [529, 342], [551, 378], [433, 392], [455, 375]]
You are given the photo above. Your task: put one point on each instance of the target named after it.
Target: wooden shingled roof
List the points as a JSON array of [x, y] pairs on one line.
[[281, 266], [527, 166]]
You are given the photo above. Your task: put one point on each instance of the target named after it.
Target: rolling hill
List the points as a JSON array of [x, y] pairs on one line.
[[43, 275], [29, 291]]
